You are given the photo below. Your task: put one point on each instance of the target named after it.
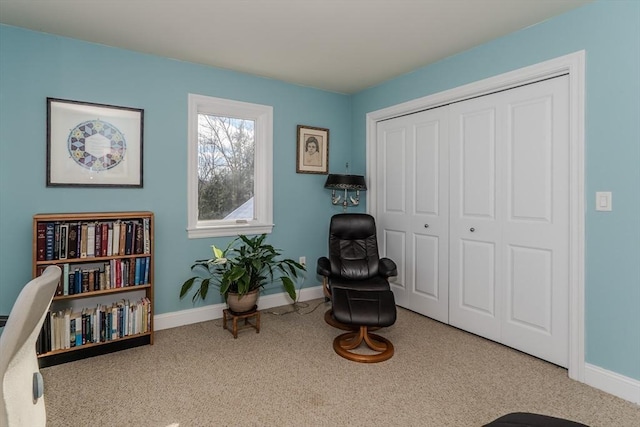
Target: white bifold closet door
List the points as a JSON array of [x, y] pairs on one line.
[[474, 202], [413, 212]]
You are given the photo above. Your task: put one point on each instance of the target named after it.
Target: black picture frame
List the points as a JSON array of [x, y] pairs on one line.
[[93, 145]]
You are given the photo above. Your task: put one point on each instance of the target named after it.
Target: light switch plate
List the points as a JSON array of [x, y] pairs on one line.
[[603, 201]]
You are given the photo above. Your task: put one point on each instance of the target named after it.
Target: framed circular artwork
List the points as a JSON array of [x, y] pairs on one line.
[[92, 144]]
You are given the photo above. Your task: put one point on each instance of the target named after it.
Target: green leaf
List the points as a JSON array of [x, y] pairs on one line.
[[204, 288], [289, 287], [217, 252], [224, 288], [186, 286], [236, 273]]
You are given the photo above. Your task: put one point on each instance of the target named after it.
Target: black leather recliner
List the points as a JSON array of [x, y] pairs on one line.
[[355, 279]]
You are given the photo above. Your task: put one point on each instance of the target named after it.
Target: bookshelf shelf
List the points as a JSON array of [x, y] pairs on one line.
[[98, 344], [104, 302], [103, 292]]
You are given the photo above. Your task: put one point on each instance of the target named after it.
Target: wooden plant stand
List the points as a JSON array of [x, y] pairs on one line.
[[234, 317]]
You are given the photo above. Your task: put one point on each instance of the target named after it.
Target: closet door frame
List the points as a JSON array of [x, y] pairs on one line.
[[574, 66]]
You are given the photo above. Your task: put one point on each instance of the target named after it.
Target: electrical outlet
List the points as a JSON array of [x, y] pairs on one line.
[[302, 260]]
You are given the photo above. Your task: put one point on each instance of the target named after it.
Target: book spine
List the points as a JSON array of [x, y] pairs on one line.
[[85, 281], [79, 241], [64, 241], [118, 283], [98, 240], [116, 238], [54, 331], [123, 235], [147, 267], [72, 332], [108, 276], [56, 240], [77, 287], [79, 330], [137, 277], [65, 279], [66, 339], [129, 239], [72, 283], [131, 266], [91, 240], [84, 326], [147, 235], [103, 324], [114, 322], [121, 319], [84, 229], [41, 233], [105, 239], [138, 240], [72, 245], [96, 323], [110, 239], [49, 241], [148, 314]]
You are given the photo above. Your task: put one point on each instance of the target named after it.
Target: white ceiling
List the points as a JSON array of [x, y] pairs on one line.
[[338, 45]]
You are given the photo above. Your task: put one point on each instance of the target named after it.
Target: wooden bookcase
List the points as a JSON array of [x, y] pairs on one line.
[[105, 299]]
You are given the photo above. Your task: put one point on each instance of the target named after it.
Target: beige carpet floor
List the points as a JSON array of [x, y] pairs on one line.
[[289, 375]]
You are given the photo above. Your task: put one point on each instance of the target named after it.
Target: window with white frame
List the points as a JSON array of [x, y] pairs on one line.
[[230, 167]]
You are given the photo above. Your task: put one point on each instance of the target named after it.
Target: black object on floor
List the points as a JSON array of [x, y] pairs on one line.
[[526, 419]]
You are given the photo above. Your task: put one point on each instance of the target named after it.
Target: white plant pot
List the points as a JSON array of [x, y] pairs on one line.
[[244, 303]]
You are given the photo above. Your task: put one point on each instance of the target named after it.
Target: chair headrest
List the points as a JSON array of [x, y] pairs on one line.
[[355, 226]]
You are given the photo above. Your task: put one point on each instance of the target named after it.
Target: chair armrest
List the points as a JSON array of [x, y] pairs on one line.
[[324, 266], [387, 267]]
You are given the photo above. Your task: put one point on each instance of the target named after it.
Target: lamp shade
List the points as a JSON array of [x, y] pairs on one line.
[[346, 182]]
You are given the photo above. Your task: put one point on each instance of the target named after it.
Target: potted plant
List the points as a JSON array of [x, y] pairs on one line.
[[241, 270]]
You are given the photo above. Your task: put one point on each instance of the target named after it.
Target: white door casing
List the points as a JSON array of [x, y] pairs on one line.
[[573, 66]]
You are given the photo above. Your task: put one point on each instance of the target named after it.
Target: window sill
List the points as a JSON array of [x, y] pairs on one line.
[[228, 230]]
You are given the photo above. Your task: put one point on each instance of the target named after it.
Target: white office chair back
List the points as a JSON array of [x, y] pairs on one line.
[[20, 403]]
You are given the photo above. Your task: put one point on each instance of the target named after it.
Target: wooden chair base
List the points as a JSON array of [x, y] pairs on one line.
[[342, 345]]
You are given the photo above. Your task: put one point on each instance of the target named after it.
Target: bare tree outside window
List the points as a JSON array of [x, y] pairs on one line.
[[226, 148]]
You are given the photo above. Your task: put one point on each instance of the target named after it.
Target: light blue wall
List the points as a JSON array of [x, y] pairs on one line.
[[34, 66], [609, 32]]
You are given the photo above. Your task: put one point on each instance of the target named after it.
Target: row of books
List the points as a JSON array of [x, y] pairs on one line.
[[99, 276], [68, 240], [65, 329]]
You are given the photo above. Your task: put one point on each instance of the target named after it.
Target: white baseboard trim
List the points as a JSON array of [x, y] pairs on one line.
[[211, 312], [613, 383]]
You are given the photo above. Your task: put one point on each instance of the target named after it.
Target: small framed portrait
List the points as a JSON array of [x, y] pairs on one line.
[[312, 154], [93, 145]]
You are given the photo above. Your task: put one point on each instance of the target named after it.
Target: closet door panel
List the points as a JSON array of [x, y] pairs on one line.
[[475, 230], [394, 154], [535, 230], [420, 141]]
